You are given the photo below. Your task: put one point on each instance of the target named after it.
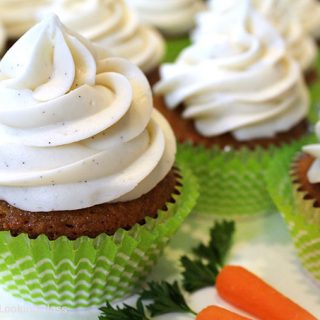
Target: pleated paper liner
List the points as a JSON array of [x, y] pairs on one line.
[[231, 182], [314, 90], [298, 213], [86, 272]]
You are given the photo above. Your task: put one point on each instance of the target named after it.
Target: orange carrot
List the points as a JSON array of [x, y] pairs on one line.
[[246, 291], [217, 313]]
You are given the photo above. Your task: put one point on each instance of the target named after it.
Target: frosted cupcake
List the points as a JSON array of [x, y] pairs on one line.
[[18, 16], [289, 23], [236, 96], [294, 184], [174, 18], [112, 25], [89, 192]]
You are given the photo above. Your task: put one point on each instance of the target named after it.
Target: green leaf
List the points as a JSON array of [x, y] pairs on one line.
[[166, 297], [198, 275], [221, 236], [125, 313]]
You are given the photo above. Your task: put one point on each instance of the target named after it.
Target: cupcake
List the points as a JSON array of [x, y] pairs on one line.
[[174, 18], [18, 16], [234, 98], [112, 25], [294, 184], [90, 193], [298, 38]]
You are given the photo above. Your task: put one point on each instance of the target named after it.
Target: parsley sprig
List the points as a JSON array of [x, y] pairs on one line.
[[198, 273], [166, 297], [125, 313], [204, 269]]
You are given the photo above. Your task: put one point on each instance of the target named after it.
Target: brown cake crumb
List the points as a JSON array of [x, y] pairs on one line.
[[185, 131], [105, 218], [299, 171], [153, 77]]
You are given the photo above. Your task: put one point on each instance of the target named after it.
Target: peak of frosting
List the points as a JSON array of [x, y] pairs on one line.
[[111, 24], [72, 121], [290, 25], [172, 17], [236, 77]]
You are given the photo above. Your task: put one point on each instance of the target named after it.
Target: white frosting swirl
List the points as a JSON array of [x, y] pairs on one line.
[[172, 17], [111, 24], [308, 12], [76, 131], [19, 15], [284, 15], [237, 77]]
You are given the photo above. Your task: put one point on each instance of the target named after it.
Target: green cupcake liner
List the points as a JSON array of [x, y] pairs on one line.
[[232, 183], [314, 91], [298, 213], [86, 272], [173, 48]]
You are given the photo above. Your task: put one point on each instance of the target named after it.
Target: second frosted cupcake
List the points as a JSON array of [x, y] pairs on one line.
[[234, 98]]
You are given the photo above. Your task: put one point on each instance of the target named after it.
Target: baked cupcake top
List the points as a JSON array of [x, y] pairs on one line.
[[286, 18], [236, 78], [171, 17], [111, 24], [19, 15], [76, 131]]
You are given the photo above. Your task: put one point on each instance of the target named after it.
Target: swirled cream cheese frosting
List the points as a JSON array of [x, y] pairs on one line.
[[111, 24], [305, 13], [172, 17], [19, 15], [237, 77], [314, 150], [285, 17], [76, 131]]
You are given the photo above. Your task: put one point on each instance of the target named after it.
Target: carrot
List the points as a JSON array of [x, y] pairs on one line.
[[217, 313], [246, 291]]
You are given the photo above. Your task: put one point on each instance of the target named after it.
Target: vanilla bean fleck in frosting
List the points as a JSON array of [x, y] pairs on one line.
[[237, 77], [111, 24], [76, 131], [172, 17], [286, 17], [19, 15]]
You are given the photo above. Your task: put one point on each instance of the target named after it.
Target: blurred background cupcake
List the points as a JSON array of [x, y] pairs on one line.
[[236, 96], [294, 184], [173, 18], [115, 27], [89, 186], [286, 17], [18, 16]]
